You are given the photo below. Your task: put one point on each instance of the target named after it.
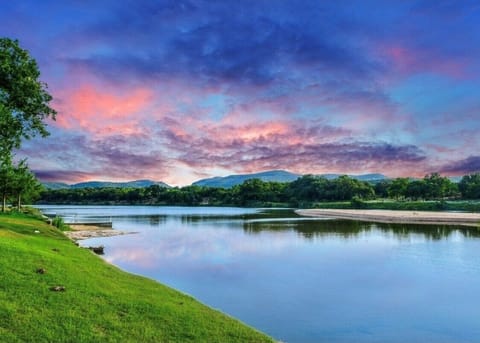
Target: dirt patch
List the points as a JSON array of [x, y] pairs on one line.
[[88, 227]]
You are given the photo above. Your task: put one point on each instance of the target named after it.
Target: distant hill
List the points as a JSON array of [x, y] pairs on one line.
[[275, 175], [361, 177], [55, 185], [232, 180], [100, 184]]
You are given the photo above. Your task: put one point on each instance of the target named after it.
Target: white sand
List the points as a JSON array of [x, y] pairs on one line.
[[91, 231], [388, 216]]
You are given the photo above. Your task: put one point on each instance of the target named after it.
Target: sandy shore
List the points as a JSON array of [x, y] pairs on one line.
[[88, 227], [406, 217], [80, 232]]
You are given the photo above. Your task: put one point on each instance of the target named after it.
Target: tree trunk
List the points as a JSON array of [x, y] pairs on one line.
[[19, 204], [4, 202]]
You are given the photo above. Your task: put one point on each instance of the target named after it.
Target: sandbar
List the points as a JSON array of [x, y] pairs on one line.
[[80, 232], [404, 217]]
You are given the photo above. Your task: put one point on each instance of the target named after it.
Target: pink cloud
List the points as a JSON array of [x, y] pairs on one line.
[[101, 110], [410, 60]]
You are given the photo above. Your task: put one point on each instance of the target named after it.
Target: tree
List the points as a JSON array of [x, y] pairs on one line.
[[438, 187], [252, 191], [24, 107], [23, 183], [306, 188], [345, 188], [469, 186], [6, 180], [381, 188], [416, 190], [398, 187], [23, 98]]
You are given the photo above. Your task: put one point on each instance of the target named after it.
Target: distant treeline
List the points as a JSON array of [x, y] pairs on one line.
[[305, 191]]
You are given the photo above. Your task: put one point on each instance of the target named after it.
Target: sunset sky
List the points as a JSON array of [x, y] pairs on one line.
[[176, 91]]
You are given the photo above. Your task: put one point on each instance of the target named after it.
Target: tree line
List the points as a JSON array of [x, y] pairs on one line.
[[305, 191]]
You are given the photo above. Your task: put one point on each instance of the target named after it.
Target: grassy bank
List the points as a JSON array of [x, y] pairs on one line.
[[100, 303], [465, 206]]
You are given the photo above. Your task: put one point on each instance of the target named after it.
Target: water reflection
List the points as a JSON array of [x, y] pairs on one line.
[[307, 280], [311, 229]]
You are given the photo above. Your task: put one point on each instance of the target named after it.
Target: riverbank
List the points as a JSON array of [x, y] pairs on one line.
[[404, 217], [54, 291]]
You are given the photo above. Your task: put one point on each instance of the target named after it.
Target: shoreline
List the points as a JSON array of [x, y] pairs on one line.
[[79, 232], [399, 217]]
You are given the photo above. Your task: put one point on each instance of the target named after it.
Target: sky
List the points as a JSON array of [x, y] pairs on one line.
[[176, 91]]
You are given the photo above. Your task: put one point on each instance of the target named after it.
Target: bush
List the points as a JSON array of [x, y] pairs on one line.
[[358, 203], [60, 224]]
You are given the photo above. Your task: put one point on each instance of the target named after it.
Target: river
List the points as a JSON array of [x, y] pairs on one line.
[[304, 279]]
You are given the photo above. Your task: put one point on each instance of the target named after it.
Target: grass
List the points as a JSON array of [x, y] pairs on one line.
[[465, 206], [100, 303]]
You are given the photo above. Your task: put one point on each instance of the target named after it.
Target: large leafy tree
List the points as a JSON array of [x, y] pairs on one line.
[[24, 107], [24, 99]]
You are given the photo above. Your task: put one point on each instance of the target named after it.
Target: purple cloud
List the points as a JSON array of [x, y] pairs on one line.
[[468, 165], [174, 89]]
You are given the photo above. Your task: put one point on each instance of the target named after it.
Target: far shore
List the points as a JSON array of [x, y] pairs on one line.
[[403, 217]]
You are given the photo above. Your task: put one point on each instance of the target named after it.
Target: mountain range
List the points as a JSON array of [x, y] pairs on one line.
[[275, 175], [232, 180], [100, 184], [219, 182]]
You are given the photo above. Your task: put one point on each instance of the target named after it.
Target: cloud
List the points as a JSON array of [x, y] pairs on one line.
[[99, 110], [67, 176], [76, 158], [284, 146], [468, 165], [173, 89], [217, 42]]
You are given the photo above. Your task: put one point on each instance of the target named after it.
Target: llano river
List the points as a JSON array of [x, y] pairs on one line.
[[302, 279]]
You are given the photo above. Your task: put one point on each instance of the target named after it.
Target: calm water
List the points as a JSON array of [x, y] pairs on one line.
[[304, 280]]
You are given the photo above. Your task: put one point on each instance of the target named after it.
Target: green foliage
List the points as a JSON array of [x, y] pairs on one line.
[[398, 188], [23, 108], [381, 188], [432, 187], [410, 205], [60, 224], [17, 183], [253, 192], [306, 191], [100, 303], [311, 188], [469, 186], [358, 203], [438, 187], [23, 97]]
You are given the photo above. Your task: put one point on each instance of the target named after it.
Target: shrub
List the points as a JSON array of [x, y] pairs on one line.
[[59, 223], [358, 203]]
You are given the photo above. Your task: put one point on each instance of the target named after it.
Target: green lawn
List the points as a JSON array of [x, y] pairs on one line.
[[100, 303], [408, 205]]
